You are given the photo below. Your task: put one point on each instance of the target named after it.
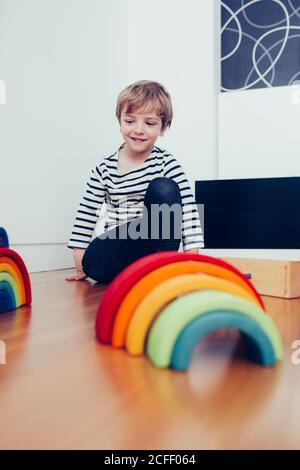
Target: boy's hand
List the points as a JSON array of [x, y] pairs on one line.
[[79, 275]]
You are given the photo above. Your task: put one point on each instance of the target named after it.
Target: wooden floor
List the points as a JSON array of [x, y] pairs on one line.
[[61, 389]]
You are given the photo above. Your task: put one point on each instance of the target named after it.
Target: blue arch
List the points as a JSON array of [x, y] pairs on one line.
[[258, 346], [3, 238], [7, 297]]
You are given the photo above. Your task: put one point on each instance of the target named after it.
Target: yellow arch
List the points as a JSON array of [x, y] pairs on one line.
[[137, 293], [165, 293]]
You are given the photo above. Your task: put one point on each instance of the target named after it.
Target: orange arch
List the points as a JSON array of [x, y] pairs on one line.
[[167, 292], [153, 279]]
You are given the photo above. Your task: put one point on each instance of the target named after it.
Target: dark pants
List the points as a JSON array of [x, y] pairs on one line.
[[111, 252]]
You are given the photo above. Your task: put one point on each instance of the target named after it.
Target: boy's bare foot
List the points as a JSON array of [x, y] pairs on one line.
[[79, 276]]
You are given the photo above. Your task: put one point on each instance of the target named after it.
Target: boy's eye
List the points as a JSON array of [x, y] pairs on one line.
[[128, 122], [151, 123]]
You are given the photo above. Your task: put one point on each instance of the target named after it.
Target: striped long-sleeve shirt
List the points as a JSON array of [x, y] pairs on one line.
[[124, 195]]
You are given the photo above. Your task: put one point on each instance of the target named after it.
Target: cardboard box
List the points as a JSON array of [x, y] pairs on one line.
[[277, 278]]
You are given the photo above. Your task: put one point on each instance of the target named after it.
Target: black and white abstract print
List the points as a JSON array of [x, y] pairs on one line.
[[260, 43]]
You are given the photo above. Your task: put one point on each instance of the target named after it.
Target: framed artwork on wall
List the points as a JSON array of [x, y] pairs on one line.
[[260, 44]]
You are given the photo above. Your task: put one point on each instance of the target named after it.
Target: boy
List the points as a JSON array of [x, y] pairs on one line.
[[132, 181]]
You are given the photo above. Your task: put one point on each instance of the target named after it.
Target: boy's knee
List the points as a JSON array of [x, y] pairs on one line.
[[162, 183], [162, 189]]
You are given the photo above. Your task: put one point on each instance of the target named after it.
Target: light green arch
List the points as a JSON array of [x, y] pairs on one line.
[[178, 314]]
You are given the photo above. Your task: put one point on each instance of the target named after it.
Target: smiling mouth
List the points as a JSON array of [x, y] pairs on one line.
[[138, 140]]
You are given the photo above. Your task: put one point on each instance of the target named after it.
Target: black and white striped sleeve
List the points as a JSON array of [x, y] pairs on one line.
[[192, 235], [89, 210]]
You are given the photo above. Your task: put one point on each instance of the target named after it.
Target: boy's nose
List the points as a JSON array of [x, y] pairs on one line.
[[139, 128]]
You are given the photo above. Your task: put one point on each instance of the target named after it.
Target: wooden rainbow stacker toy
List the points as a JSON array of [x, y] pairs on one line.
[[165, 303], [15, 289]]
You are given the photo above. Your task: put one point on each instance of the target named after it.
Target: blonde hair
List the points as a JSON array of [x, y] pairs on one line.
[[146, 94]]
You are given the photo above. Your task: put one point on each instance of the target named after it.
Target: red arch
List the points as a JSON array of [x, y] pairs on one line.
[[118, 288]]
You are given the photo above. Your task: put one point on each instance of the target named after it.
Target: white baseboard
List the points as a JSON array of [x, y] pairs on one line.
[[45, 257], [58, 256]]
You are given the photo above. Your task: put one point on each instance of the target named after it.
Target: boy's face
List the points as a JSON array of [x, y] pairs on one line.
[[140, 130]]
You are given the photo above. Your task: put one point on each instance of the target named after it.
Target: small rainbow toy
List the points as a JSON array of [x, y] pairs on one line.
[[15, 289], [165, 303]]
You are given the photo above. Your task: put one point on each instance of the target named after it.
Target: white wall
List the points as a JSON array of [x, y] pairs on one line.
[[259, 138], [259, 133], [63, 63], [177, 44]]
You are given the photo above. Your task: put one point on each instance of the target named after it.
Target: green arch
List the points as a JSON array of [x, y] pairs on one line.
[[178, 314]]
